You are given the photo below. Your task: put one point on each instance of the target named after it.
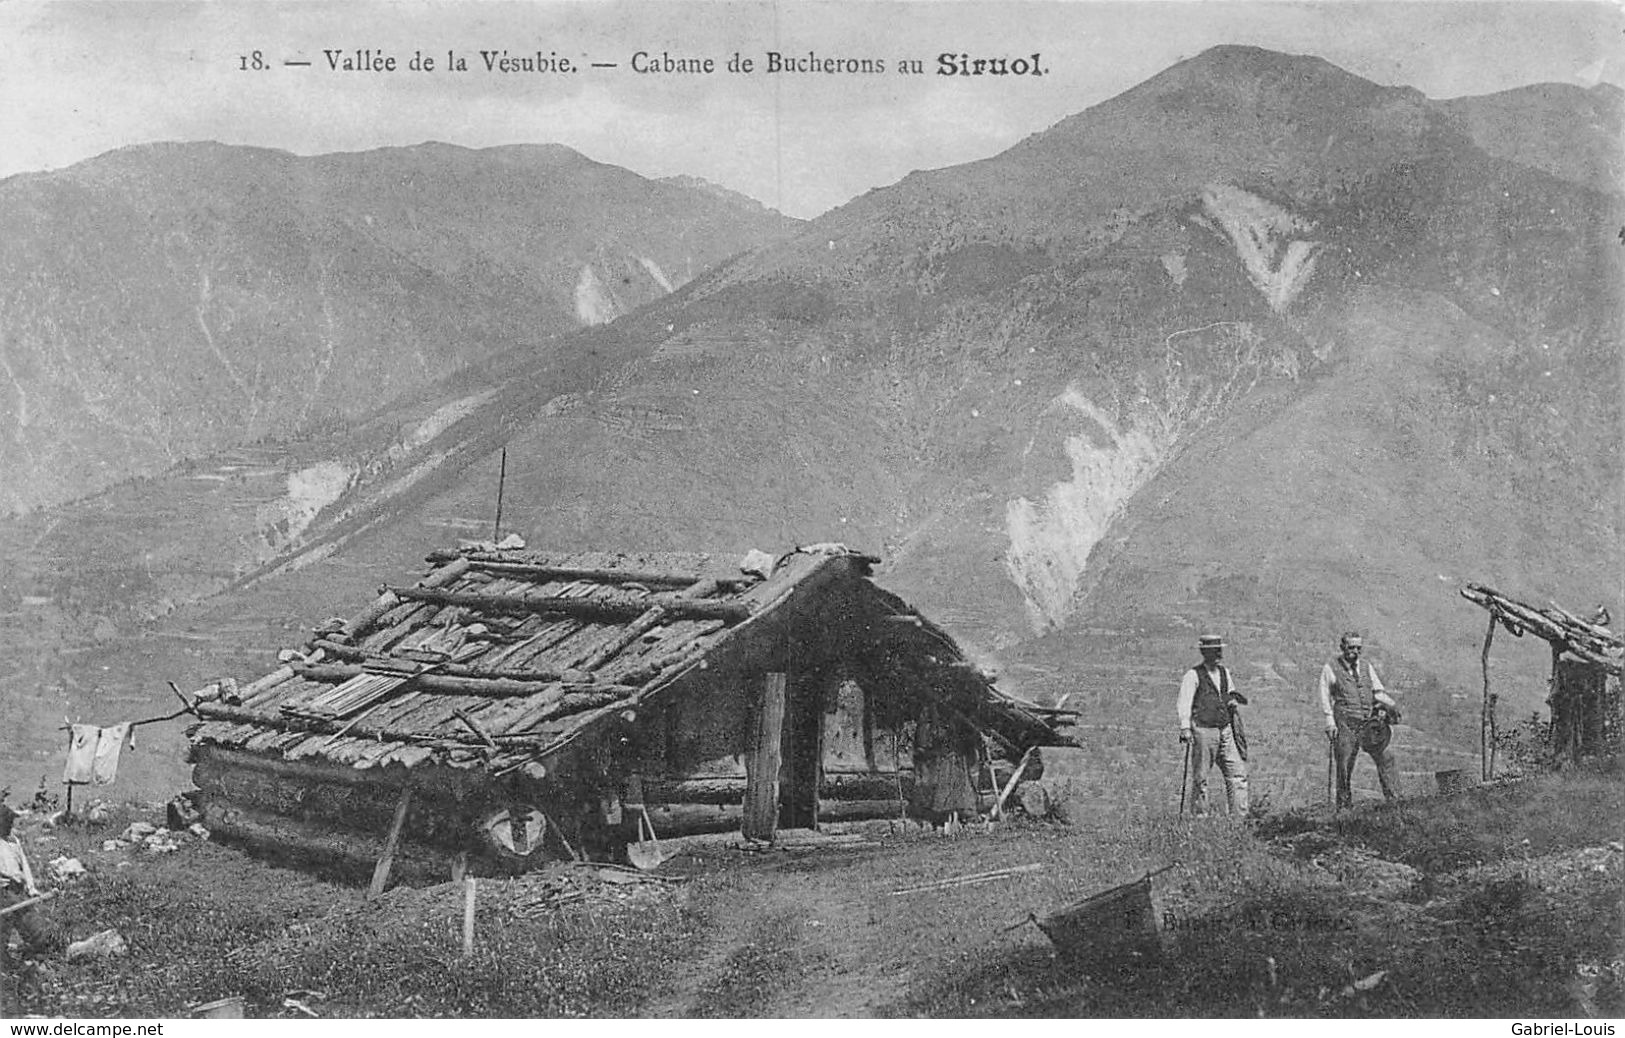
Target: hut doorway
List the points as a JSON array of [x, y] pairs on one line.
[[803, 752]]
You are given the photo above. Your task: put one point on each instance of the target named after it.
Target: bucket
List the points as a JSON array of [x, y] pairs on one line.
[[230, 1008], [1118, 921], [1452, 781]]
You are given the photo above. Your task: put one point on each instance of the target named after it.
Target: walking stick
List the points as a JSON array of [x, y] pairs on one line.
[[1329, 758], [1185, 777]]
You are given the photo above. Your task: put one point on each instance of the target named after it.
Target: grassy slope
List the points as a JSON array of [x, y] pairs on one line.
[[1503, 901]]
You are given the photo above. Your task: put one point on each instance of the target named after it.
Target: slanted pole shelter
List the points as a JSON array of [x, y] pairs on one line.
[[1585, 656]]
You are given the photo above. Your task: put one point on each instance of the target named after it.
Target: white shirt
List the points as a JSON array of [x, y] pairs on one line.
[[1187, 691], [14, 866], [1328, 678]]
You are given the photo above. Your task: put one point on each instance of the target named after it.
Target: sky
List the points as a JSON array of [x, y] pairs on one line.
[[81, 78]]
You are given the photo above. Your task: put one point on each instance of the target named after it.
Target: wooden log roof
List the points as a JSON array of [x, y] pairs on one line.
[[1565, 631], [498, 660]]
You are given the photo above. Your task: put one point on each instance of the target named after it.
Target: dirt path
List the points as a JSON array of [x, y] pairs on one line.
[[820, 933], [792, 938]]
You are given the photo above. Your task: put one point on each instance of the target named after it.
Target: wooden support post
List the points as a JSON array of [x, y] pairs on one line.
[[1555, 701], [459, 867], [763, 760], [1487, 709], [468, 916], [568, 847], [502, 481], [1015, 776], [380, 872], [67, 811]]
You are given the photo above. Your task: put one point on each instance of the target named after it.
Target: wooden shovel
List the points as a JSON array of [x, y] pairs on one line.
[[646, 853]]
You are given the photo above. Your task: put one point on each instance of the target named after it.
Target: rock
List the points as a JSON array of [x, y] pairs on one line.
[[161, 841], [197, 829], [1034, 799], [98, 813], [65, 868], [113, 845], [105, 945], [758, 562], [182, 813], [138, 831]]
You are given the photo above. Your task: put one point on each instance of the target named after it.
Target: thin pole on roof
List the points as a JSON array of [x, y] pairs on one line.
[[1486, 721], [502, 479]]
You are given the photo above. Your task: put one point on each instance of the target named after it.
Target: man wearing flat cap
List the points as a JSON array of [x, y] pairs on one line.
[[1358, 712], [1207, 729]]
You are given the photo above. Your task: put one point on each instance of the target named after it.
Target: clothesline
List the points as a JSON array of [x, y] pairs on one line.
[[66, 726], [93, 752], [187, 707]]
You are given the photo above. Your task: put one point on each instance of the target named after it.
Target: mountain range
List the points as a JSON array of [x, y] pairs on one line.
[[1257, 347], [167, 301]]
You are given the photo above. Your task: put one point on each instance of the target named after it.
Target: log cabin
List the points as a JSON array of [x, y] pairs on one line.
[[514, 707]]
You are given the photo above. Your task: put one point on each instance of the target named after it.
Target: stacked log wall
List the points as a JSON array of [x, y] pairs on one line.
[[283, 806]]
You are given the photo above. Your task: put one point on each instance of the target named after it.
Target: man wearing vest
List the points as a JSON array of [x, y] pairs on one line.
[[1358, 711], [1206, 697]]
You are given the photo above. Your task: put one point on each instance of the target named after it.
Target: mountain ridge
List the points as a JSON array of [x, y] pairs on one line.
[[293, 289]]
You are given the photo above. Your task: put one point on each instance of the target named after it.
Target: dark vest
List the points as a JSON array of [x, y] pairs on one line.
[[1211, 707], [1352, 696]]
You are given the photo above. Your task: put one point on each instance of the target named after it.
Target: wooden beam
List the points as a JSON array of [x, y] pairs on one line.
[[836, 786], [460, 685], [763, 760], [380, 873], [388, 600], [209, 759], [488, 563], [646, 621], [284, 723], [355, 654], [270, 681], [370, 615], [474, 727], [611, 608]]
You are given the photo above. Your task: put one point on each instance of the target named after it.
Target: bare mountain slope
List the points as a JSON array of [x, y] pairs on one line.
[[165, 301], [1559, 128]]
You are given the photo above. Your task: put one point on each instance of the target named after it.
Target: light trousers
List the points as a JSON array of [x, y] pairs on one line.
[[1217, 746]]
